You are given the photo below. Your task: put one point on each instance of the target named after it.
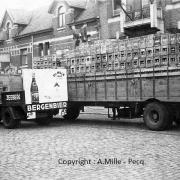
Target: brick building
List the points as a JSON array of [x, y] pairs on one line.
[[44, 34]]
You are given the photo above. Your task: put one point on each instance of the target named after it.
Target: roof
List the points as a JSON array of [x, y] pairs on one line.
[[19, 16], [77, 3], [89, 13], [40, 20]]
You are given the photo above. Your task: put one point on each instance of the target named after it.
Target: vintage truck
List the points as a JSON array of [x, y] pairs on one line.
[[36, 94], [137, 77]]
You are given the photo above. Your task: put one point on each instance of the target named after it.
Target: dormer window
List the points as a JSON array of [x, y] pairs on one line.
[[61, 17]]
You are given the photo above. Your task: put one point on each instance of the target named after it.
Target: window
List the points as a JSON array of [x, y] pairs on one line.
[[24, 60], [8, 30], [47, 49], [61, 17], [41, 53], [117, 4]]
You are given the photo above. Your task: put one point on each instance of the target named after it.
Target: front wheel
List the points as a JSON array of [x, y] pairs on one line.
[[156, 116], [8, 121]]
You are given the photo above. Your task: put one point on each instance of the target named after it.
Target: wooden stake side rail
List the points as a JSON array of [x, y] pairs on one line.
[[133, 86]]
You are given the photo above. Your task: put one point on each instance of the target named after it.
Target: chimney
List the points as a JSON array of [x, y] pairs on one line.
[[103, 16]]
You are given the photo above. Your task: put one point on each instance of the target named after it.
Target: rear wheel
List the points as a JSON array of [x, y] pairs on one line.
[[157, 116], [72, 113], [8, 121]]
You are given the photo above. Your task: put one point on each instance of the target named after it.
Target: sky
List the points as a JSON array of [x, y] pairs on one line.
[[21, 4]]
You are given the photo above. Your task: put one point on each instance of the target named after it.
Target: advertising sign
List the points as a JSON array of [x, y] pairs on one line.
[[45, 89]]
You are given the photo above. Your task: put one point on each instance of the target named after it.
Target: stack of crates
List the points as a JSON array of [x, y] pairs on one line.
[[149, 42], [141, 52], [173, 50]]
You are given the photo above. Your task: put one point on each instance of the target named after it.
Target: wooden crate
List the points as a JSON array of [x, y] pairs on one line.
[[123, 56], [135, 63], [110, 66], [88, 60], [129, 54], [149, 62], [135, 43], [164, 39], [157, 61], [142, 62], [173, 60], [149, 52], [82, 68], [142, 52], [142, 42], [172, 39], [129, 64], [88, 68], [110, 57], [104, 57], [135, 53], [157, 50], [172, 49], [150, 41], [164, 60], [98, 58], [122, 45], [157, 40], [164, 50], [104, 66], [122, 65], [116, 56], [116, 65]]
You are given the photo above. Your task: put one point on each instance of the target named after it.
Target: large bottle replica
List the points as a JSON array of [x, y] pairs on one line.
[[34, 90]]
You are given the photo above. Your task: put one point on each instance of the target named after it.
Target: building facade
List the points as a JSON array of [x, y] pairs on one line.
[[37, 39]]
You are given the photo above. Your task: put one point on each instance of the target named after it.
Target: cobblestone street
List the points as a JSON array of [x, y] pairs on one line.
[[89, 149]]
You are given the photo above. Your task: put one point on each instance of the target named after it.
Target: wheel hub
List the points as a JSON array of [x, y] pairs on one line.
[[155, 116]]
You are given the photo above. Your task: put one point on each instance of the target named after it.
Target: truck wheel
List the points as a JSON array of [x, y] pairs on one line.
[[8, 121], [156, 116], [43, 121], [72, 113]]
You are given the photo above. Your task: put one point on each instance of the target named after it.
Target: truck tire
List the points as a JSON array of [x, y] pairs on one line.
[[8, 121], [156, 116], [72, 113]]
